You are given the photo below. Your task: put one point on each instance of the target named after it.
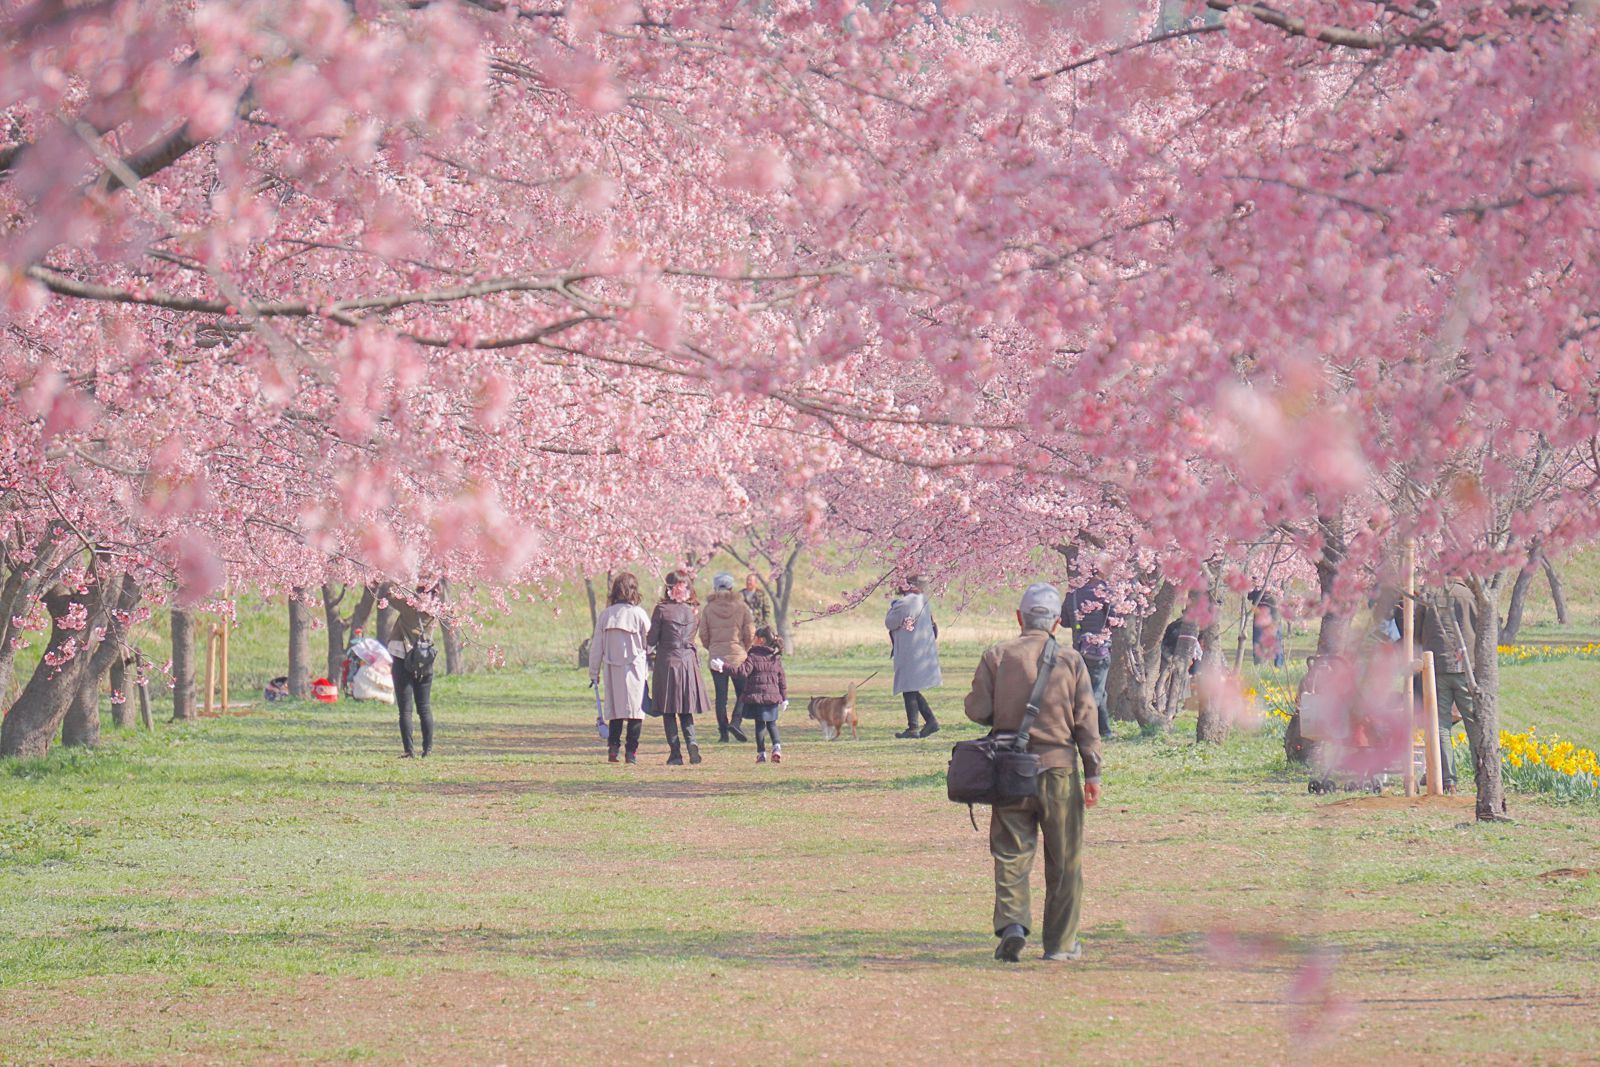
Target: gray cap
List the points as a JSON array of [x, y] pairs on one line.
[[1041, 603], [722, 582]]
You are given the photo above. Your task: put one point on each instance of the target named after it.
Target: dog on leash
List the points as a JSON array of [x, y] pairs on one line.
[[833, 714]]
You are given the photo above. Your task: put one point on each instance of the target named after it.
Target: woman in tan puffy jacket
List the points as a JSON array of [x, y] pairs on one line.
[[727, 629]]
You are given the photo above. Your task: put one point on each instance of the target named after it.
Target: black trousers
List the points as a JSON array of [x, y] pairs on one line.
[[719, 684], [634, 727], [407, 690], [916, 704], [671, 722]]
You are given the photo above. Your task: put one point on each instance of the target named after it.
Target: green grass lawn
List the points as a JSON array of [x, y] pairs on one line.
[[278, 888]]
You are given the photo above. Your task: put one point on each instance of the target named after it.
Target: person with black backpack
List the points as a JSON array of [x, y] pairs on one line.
[[1039, 692], [411, 646]]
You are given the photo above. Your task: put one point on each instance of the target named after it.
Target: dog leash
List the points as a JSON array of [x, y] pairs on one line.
[[867, 679]]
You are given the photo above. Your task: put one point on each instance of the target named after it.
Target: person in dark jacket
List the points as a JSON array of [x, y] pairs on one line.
[[1448, 627], [411, 626], [677, 689], [766, 690], [1089, 614]]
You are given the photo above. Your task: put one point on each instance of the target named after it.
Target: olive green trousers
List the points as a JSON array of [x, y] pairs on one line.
[[1014, 832]]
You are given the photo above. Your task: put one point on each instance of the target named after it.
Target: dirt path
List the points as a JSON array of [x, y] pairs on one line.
[[834, 910]]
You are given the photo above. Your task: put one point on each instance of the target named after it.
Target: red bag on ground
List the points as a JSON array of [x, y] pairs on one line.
[[325, 691]]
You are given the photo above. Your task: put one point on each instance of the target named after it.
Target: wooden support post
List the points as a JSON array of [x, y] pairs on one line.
[[1430, 727], [1408, 648], [211, 662], [223, 630]]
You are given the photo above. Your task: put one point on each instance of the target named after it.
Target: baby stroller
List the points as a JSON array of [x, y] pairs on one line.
[[1325, 728]]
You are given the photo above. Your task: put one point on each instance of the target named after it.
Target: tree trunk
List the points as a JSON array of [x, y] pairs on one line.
[[781, 602], [145, 718], [336, 626], [182, 664], [450, 635], [1557, 594], [340, 628], [455, 660], [1136, 660], [123, 712], [46, 558], [362, 614], [33, 720], [81, 727], [1213, 724], [299, 646], [1483, 727], [1333, 635], [1519, 598], [117, 596], [386, 617]]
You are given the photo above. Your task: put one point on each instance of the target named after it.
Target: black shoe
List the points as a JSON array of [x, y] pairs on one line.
[[929, 728], [694, 753], [1012, 939], [722, 737], [405, 755], [909, 731], [738, 734], [633, 757], [676, 759], [612, 754]]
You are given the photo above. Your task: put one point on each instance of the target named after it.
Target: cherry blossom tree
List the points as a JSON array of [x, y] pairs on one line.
[[269, 312]]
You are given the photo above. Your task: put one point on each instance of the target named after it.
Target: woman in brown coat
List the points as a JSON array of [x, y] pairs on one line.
[[678, 690], [727, 629]]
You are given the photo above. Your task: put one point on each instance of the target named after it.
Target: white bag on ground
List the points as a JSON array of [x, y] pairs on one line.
[[371, 652], [372, 683]]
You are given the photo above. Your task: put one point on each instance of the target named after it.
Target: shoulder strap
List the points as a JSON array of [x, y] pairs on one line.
[[1047, 663]]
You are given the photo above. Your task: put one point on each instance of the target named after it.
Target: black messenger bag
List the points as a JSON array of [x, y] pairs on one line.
[[999, 769]]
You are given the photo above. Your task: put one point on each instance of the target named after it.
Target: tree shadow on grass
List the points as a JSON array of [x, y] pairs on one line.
[[894, 950]]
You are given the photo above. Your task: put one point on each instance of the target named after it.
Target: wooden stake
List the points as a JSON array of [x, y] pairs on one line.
[[1430, 726], [223, 629], [211, 660], [1408, 646]]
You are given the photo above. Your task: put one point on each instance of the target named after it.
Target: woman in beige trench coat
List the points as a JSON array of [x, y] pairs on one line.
[[617, 653]]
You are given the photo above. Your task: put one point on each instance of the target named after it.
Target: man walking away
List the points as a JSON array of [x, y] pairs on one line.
[[1090, 617], [1449, 630], [1063, 733], [756, 601]]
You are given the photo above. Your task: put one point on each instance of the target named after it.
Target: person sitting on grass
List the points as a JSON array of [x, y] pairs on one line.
[[766, 690]]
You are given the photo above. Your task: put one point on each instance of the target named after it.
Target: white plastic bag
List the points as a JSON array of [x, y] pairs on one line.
[[370, 650], [372, 683]]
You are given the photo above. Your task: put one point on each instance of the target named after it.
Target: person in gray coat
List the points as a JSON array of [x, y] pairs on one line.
[[914, 637]]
